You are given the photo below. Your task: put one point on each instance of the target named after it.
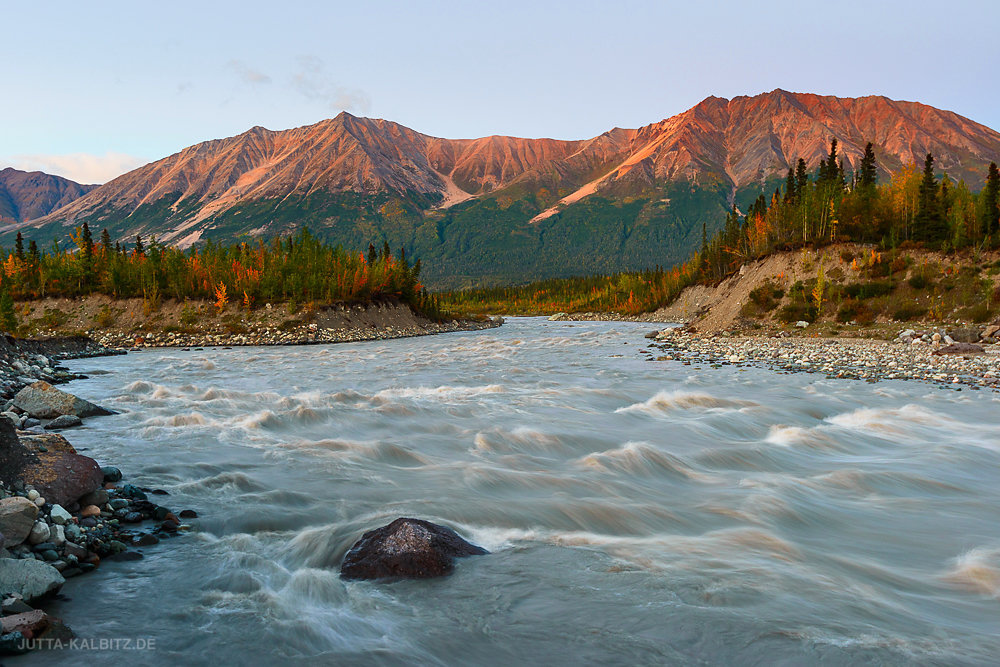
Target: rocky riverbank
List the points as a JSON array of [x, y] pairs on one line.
[[61, 514], [307, 334], [927, 356], [128, 323]]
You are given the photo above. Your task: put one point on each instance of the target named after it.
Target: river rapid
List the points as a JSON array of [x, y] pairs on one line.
[[637, 512]]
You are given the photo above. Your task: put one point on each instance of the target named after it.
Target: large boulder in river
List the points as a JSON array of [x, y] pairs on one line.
[[31, 579], [407, 549], [43, 401], [17, 516]]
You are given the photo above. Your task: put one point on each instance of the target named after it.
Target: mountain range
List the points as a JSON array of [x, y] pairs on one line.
[[504, 209], [27, 195]]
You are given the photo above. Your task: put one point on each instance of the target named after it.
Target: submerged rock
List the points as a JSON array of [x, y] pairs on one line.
[[406, 548], [43, 401]]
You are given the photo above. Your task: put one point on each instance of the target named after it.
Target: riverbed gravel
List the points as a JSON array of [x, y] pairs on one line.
[[852, 358]]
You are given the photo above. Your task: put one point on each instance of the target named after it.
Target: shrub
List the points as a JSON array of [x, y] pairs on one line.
[[763, 299], [910, 311], [794, 312], [868, 290], [53, 318], [8, 318], [848, 311], [919, 281], [880, 270], [104, 317], [189, 315], [978, 313], [846, 256]]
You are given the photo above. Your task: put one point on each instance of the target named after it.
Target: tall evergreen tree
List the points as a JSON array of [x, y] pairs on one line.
[[790, 186], [929, 224], [868, 175], [88, 243], [991, 201], [801, 178], [106, 241], [19, 247]]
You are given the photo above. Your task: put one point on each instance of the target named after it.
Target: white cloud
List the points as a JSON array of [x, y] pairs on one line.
[[80, 167], [312, 82], [249, 74]]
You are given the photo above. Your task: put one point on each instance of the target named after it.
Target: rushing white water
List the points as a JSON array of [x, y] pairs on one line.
[[638, 512]]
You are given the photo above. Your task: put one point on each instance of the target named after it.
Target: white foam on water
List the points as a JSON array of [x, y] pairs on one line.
[[443, 392], [667, 402], [977, 570], [639, 458]]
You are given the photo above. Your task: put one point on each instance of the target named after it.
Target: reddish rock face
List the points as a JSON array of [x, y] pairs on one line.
[[26, 195], [735, 142]]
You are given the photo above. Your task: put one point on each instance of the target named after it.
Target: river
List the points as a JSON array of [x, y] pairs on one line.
[[637, 512]]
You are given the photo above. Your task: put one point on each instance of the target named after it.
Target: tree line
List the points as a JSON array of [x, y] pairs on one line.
[[914, 206], [299, 268]]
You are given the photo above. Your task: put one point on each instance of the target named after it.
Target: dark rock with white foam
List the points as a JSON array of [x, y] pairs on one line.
[[406, 549]]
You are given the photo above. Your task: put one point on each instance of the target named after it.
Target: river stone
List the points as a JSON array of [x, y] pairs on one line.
[[406, 548], [31, 579], [39, 533], [29, 623], [43, 401], [960, 348], [59, 515], [965, 334], [17, 516], [63, 421]]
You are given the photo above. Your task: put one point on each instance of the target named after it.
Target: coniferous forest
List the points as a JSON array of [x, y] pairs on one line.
[[913, 207], [299, 268]]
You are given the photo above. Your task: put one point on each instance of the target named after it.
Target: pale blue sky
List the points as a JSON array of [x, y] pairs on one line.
[[93, 89]]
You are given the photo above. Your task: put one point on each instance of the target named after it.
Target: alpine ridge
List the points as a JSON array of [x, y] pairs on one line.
[[504, 208], [25, 195]]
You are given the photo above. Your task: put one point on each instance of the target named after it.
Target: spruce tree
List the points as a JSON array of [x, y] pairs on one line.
[[88, 243], [869, 174], [991, 201], [106, 241], [790, 186], [929, 225], [801, 178], [19, 247]]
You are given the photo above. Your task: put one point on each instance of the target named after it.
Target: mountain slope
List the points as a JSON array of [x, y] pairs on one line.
[[26, 195], [504, 208]]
